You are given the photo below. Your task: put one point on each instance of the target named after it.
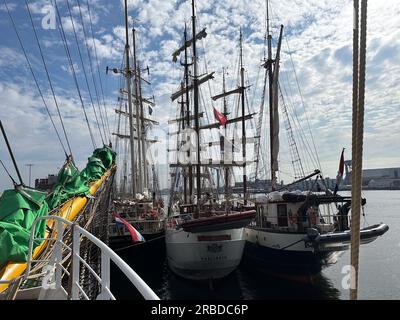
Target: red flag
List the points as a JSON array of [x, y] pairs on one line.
[[220, 117], [340, 173], [341, 163], [135, 235]]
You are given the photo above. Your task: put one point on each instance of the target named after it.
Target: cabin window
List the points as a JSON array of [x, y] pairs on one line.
[[282, 215]]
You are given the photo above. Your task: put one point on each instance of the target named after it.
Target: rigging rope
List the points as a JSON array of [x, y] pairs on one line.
[[71, 64], [298, 170], [359, 62], [8, 173], [34, 78], [91, 66], [302, 102], [306, 150], [11, 153], [48, 77], [84, 70], [98, 68]]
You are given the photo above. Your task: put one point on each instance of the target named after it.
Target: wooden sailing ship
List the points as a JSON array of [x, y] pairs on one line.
[[204, 236], [298, 231], [136, 197]]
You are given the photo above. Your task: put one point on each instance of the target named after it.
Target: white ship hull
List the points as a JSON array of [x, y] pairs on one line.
[[204, 256], [284, 253], [298, 242], [277, 240], [296, 250]]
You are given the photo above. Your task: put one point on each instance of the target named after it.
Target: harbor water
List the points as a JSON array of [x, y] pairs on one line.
[[379, 273]]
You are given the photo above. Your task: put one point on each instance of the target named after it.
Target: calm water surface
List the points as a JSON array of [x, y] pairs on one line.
[[379, 276]]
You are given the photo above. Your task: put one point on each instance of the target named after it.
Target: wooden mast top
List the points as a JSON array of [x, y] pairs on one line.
[[128, 80]]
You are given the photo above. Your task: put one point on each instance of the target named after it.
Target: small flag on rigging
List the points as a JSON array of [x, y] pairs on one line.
[[219, 117], [340, 173], [135, 235]]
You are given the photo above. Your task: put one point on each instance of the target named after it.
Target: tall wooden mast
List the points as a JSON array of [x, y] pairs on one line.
[[271, 120], [141, 129], [226, 169], [243, 120], [273, 101], [128, 75], [138, 124], [188, 112], [196, 107], [182, 116]]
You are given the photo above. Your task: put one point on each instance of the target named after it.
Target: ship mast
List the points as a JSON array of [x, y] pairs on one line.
[[188, 112], [141, 129], [196, 108], [138, 124], [226, 169], [271, 120], [243, 120], [128, 83], [182, 116], [273, 101]]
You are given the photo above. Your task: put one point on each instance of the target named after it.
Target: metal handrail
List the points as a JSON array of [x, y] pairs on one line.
[[107, 255]]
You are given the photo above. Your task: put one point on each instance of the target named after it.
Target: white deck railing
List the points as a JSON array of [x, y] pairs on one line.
[[63, 252]]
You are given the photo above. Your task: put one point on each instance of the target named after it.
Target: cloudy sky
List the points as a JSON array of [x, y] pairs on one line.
[[317, 49]]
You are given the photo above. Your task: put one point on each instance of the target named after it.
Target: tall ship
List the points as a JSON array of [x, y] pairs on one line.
[[136, 198], [294, 230], [204, 234]]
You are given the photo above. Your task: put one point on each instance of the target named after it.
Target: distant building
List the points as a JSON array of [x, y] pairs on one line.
[[256, 185], [314, 185], [46, 184], [380, 178], [383, 183], [391, 173]]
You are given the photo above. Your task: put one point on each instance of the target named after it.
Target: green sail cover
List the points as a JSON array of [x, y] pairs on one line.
[[21, 206], [18, 210], [94, 170], [69, 184], [98, 163], [106, 155]]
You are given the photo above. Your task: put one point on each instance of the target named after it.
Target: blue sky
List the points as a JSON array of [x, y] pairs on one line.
[[319, 37]]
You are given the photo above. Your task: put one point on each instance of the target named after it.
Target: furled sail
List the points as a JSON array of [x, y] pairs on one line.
[[275, 114], [275, 117]]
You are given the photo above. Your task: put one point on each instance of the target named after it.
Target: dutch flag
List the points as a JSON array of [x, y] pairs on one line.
[[340, 173], [135, 235]]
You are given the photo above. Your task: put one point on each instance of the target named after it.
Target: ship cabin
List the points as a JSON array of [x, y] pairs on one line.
[[298, 211]]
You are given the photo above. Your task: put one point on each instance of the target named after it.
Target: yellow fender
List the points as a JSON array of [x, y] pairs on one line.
[[68, 211]]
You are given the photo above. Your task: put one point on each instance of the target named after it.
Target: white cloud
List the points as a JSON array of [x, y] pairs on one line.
[[11, 7]]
